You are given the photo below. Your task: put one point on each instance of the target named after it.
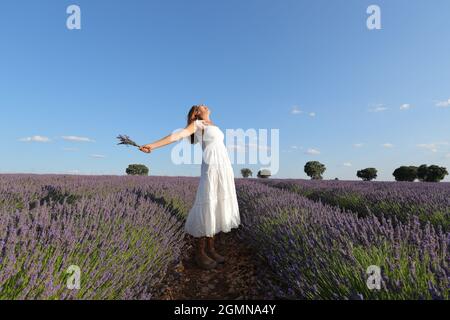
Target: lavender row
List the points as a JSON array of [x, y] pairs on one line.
[[430, 202], [122, 241], [317, 251], [25, 191]]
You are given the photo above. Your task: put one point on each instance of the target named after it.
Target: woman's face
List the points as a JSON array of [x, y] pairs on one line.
[[204, 111]]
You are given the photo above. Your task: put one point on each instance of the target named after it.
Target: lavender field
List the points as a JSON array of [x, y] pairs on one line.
[[429, 201], [317, 238]]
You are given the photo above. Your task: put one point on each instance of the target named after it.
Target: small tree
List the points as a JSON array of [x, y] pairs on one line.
[[246, 172], [405, 173], [314, 169], [137, 170], [431, 173], [367, 174], [264, 173], [436, 173]]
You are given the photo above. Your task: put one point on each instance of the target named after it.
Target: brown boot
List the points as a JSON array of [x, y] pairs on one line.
[[202, 260], [211, 251]]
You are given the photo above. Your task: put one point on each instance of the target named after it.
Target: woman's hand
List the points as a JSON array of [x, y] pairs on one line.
[[147, 148]]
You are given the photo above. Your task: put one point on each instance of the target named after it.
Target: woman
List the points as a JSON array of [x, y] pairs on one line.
[[215, 208]]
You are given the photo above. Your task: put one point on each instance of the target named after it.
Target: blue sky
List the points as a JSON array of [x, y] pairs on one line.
[[309, 68]]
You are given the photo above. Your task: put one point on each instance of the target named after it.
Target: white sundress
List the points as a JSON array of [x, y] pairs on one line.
[[215, 208]]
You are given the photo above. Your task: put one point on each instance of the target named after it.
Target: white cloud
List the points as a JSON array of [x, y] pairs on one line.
[[292, 149], [77, 139], [443, 104], [347, 164], [98, 156], [405, 106], [430, 147], [35, 139], [73, 172], [447, 155], [433, 147], [296, 110], [388, 145], [312, 151], [378, 108], [358, 145]]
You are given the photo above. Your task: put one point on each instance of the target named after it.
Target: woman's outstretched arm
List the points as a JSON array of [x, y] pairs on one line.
[[186, 132]]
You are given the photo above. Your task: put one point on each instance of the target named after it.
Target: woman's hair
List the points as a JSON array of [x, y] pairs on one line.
[[194, 114]]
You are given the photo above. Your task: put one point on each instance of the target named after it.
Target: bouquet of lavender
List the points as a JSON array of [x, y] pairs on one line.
[[125, 140]]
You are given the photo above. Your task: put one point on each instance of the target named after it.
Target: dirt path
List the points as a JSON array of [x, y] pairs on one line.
[[233, 280]]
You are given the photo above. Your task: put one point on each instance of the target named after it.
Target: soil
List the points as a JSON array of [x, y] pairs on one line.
[[235, 279]]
